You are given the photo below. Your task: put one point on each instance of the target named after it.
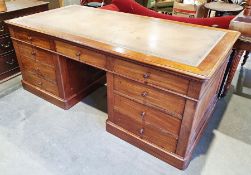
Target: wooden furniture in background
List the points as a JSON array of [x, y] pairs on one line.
[[241, 23], [222, 8], [160, 95], [8, 61]]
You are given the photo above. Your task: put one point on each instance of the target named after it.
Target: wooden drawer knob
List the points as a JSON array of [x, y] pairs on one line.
[[142, 114], [78, 54], [144, 94], [40, 83], [141, 131], [33, 53], [146, 75]]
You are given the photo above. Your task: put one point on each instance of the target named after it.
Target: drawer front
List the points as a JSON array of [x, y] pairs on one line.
[[84, 55], [152, 118], [151, 76], [33, 79], [171, 103], [25, 49], [161, 139], [142, 121], [43, 71], [39, 55], [44, 57], [127, 116], [8, 62], [3, 28], [36, 39], [6, 45]]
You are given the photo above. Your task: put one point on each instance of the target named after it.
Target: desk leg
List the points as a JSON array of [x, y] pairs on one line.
[[233, 67]]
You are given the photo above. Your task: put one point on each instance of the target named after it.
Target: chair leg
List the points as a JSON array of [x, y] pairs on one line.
[[245, 58]]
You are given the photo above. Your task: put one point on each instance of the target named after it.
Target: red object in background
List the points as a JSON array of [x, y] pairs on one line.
[[130, 6]]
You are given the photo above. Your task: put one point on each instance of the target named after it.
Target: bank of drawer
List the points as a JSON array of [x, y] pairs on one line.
[[8, 62], [36, 39], [5, 45], [172, 103], [151, 117], [147, 123], [44, 71], [33, 79], [84, 55], [151, 76]]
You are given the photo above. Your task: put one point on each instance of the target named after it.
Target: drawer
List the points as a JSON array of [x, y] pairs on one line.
[[40, 55], [36, 39], [159, 138], [152, 118], [151, 76], [25, 49], [43, 71], [33, 79], [84, 55], [3, 28], [142, 121], [6, 45], [44, 57], [148, 95], [132, 121], [8, 62]]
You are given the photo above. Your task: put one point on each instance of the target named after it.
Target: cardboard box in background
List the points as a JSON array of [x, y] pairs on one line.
[[186, 9]]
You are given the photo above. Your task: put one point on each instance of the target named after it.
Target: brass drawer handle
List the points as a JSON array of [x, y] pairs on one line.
[[142, 114], [2, 29], [10, 62], [144, 94], [146, 75], [6, 45], [141, 131]]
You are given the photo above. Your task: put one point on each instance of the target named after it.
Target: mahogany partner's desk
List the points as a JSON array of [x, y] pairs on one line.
[[163, 77]]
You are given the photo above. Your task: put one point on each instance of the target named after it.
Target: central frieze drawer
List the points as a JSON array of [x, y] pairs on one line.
[[81, 54], [151, 76], [171, 103], [148, 124]]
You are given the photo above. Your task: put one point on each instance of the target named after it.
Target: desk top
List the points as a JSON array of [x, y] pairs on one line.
[[153, 41], [22, 4]]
